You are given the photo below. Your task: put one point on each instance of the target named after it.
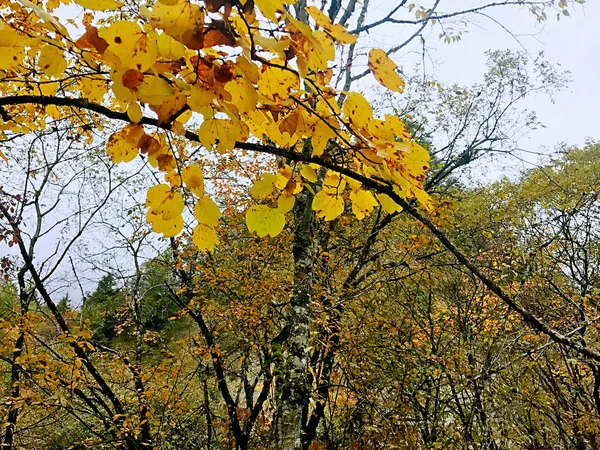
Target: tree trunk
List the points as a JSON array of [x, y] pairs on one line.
[[295, 389], [15, 370]]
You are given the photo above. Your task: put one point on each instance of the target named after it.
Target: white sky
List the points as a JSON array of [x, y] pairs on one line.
[[573, 42]]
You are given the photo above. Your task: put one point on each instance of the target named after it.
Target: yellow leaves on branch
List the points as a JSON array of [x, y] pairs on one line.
[[208, 68], [263, 219], [166, 205]]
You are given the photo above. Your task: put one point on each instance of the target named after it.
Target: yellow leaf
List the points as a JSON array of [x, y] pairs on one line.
[[398, 127], [193, 179], [328, 205], [160, 154], [263, 187], [353, 184], [337, 31], [322, 132], [162, 200], [129, 46], [222, 133], [270, 8], [134, 112], [99, 5], [307, 32], [309, 173], [276, 83], [173, 179], [381, 130], [388, 205], [3, 156], [283, 176], [10, 57], [169, 108], [168, 227], [273, 45], [169, 48], [52, 61], [265, 221], [205, 238], [155, 91], [243, 94], [333, 183], [181, 20], [285, 202], [384, 70], [200, 97], [328, 49], [10, 38], [122, 145], [207, 211], [358, 109], [363, 203]]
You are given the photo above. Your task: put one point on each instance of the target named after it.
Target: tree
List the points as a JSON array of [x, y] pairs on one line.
[[269, 78]]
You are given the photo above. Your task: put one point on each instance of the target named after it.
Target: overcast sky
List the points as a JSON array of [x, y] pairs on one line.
[[573, 42]]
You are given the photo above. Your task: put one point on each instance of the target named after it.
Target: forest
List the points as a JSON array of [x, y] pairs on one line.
[[254, 224]]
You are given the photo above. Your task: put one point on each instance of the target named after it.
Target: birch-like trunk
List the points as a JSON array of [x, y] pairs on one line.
[[295, 390]]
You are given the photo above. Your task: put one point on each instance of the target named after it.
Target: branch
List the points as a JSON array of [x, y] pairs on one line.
[[389, 19]]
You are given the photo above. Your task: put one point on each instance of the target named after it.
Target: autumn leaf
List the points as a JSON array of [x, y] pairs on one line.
[[207, 211], [309, 173], [220, 133], [264, 221], [193, 179], [52, 60], [161, 199], [328, 204], [358, 109], [263, 187], [270, 8], [384, 70], [122, 145], [363, 203], [285, 202], [205, 238], [337, 31], [388, 205], [99, 5]]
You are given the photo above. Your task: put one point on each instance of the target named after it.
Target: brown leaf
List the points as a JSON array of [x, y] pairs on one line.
[[91, 40], [132, 78]]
